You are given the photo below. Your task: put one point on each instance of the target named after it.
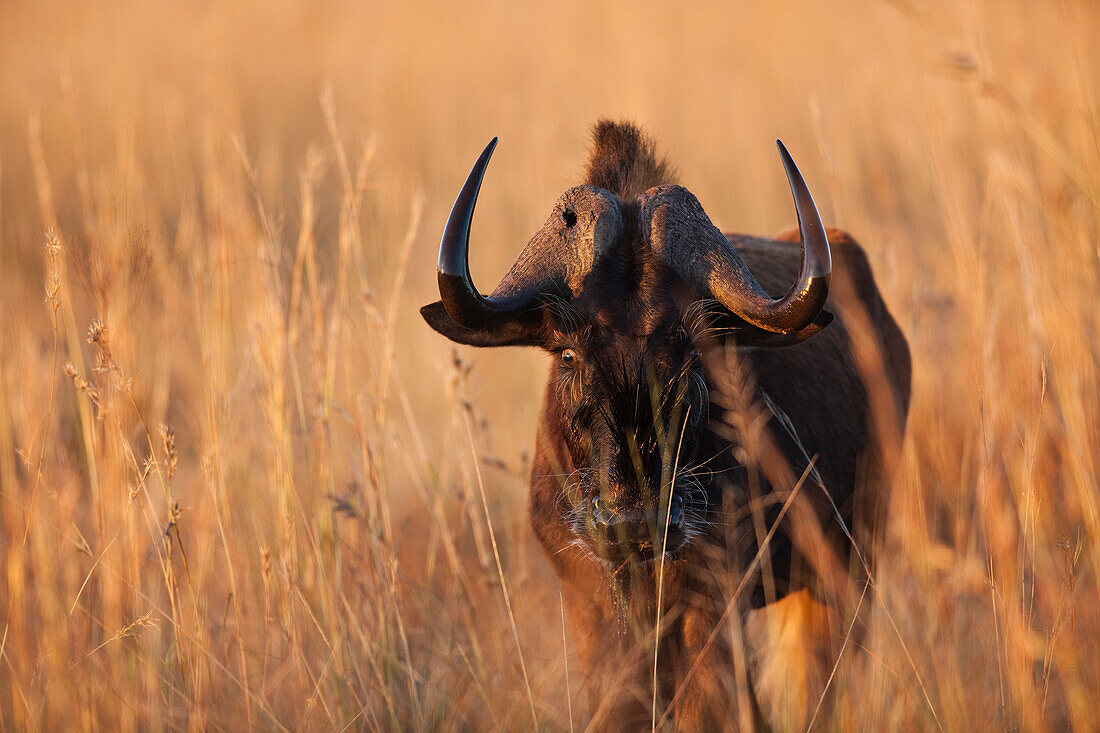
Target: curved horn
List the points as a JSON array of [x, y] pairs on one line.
[[685, 239], [461, 298], [804, 301], [556, 260]]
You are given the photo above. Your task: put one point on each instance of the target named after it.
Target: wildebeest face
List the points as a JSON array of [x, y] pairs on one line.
[[630, 410], [623, 288]]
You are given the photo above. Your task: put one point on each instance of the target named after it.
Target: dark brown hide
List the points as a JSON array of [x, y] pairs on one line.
[[817, 386], [636, 424]]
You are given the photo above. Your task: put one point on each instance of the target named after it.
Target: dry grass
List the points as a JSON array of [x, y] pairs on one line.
[[241, 482]]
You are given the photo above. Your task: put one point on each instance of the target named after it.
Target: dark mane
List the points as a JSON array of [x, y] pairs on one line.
[[624, 161]]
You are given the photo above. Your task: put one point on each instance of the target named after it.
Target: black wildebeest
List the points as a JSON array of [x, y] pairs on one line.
[[685, 411]]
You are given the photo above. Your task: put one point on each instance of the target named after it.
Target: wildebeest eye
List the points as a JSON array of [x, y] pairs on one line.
[[568, 357], [569, 217]]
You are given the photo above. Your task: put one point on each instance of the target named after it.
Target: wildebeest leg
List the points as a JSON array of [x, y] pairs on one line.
[[789, 644], [714, 695], [613, 684]]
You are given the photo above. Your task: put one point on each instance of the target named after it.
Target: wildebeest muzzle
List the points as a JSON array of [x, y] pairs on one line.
[[635, 533]]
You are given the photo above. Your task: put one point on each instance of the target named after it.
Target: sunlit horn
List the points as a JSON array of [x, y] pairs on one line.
[[461, 298]]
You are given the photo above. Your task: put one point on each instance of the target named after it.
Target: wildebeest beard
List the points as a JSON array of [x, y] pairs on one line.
[[628, 576]]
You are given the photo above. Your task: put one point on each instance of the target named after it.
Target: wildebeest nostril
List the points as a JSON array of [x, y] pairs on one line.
[[634, 521], [676, 513], [600, 516]]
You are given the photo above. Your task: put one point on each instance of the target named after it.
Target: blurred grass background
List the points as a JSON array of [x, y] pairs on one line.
[[240, 481]]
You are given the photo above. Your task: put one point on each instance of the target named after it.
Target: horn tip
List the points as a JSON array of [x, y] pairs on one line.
[[783, 151], [483, 159]]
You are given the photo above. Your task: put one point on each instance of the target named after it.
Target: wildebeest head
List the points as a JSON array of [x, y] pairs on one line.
[[626, 285]]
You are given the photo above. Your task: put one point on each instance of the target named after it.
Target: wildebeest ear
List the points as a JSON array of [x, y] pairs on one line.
[[512, 333], [750, 335]]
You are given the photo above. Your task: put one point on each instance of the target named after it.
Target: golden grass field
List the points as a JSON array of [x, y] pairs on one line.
[[243, 486]]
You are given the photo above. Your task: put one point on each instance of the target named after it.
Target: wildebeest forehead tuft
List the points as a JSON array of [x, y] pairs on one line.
[[624, 161]]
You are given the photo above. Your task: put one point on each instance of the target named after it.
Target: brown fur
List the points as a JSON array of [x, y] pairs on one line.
[[817, 385], [634, 331], [788, 645]]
